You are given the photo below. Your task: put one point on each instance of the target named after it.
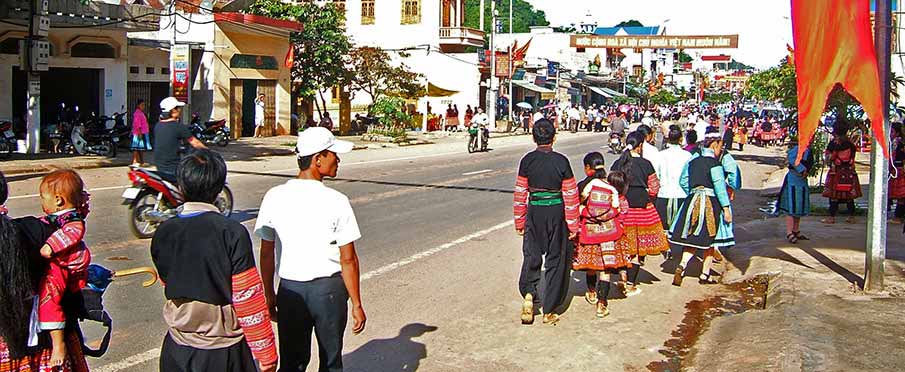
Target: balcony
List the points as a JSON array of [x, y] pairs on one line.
[[457, 38]]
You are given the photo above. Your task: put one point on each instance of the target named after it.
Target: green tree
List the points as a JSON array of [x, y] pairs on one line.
[[630, 23], [371, 72], [664, 97], [684, 57], [523, 15], [319, 49]]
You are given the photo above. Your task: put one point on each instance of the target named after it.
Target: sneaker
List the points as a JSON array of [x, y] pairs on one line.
[[528, 309], [602, 311], [632, 291]]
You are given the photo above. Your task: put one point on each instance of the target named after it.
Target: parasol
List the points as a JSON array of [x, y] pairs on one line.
[[525, 105]]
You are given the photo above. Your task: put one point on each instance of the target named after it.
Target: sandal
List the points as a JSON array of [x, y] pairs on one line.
[[602, 311], [707, 280], [551, 319], [632, 291], [677, 277], [591, 297], [800, 236], [792, 238], [528, 309]]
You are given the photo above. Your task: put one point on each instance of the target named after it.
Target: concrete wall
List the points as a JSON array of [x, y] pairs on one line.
[[387, 30], [112, 79], [145, 57]]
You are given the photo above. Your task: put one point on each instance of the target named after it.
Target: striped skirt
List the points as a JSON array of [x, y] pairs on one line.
[[599, 257], [725, 237], [644, 235], [668, 209], [794, 198]]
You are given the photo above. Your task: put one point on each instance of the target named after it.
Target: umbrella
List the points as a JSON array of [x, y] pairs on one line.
[[547, 107], [525, 105], [624, 108]]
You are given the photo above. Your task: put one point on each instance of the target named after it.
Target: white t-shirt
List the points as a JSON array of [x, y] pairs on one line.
[[259, 112], [669, 170], [309, 222]]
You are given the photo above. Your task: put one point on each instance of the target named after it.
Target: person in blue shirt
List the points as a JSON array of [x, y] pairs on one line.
[[795, 195]]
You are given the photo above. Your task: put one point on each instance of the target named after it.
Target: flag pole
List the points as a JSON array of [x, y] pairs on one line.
[[879, 165]]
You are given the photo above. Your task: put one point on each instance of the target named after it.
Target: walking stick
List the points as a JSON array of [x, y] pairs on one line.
[[139, 270]]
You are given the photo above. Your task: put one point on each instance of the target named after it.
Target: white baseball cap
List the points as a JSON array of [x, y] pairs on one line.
[[316, 139], [170, 103]]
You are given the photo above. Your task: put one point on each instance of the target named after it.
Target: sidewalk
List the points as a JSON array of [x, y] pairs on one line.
[[242, 149], [817, 317]]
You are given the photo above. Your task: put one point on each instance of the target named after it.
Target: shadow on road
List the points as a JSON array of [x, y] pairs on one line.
[[397, 354], [386, 183]]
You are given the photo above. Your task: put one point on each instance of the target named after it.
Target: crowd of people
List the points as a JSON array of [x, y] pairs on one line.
[[609, 223]]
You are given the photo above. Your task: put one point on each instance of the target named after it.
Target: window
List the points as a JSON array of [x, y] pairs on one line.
[[149, 70], [10, 45], [164, 70], [367, 12], [637, 70], [134, 69], [411, 12], [93, 50], [579, 50]]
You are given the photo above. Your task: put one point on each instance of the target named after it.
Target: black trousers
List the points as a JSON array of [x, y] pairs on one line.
[[177, 358], [849, 205], [546, 242], [320, 305]]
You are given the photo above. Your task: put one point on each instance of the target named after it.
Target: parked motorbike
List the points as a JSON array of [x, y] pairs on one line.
[[615, 143], [476, 142], [214, 131], [7, 139], [153, 200]]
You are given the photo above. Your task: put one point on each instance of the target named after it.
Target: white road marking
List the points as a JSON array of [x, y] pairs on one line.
[[477, 172], [155, 353], [430, 252], [130, 361]]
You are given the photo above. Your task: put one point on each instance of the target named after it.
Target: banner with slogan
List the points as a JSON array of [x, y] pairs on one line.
[[656, 42], [180, 72]]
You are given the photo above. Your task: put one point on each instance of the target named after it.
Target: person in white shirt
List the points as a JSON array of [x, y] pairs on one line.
[[701, 127], [259, 115], [669, 169], [314, 229], [649, 151]]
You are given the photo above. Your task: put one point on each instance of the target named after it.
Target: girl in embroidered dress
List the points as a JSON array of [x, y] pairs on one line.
[[707, 203], [842, 185], [596, 252]]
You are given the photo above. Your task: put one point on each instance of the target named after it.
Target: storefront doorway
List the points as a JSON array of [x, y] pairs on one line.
[[242, 106], [73, 86]]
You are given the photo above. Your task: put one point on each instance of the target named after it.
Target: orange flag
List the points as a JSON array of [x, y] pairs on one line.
[[834, 44], [290, 57]]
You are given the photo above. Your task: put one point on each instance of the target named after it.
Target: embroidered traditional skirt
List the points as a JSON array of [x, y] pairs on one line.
[[141, 142], [831, 191], [668, 209], [644, 233], [897, 185], [725, 237], [794, 199], [698, 221], [40, 361], [599, 257]]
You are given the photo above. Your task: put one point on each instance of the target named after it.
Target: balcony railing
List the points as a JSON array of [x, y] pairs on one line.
[[461, 36]]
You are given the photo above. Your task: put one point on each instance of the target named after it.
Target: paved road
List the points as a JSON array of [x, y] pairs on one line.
[[411, 203]]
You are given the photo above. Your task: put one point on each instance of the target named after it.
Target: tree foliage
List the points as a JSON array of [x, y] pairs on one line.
[[318, 50], [630, 23], [718, 98], [523, 15], [664, 97], [371, 72]]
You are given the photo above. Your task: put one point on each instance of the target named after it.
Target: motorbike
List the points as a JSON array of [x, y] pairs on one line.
[[476, 142], [153, 200], [214, 131], [615, 143], [93, 137], [7, 140]]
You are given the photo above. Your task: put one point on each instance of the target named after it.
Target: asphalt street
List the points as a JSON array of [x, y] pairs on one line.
[[411, 203]]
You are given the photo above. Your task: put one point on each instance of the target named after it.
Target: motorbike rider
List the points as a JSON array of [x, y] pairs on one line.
[[481, 120], [168, 135]]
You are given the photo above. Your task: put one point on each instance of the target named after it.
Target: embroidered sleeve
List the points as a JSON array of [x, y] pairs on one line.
[[570, 198], [520, 202], [653, 185], [254, 318], [67, 237]]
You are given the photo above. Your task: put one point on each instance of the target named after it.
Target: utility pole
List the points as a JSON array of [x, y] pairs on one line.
[[511, 70], [35, 53], [481, 24], [879, 165], [492, 92]]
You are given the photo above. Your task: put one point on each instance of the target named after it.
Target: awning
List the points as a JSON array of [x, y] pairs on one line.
[[601, 92], [435, 91], [612, 92], [532, 87]]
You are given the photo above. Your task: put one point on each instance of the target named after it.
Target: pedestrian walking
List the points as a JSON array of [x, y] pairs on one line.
[[546, 215], [644, 234], [319, 270], [215, 308], [259, 116], [842, 184], [732, 173], [669, 171], [697, 224], [141, 140], [596, 252], [795, 194]]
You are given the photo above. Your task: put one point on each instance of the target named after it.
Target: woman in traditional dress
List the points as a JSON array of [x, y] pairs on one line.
[[725, 236], [596, 252], [643, 230], [897, 183], [795, 195], [141, 141], [707, 203], [842, 185], [21, 267]]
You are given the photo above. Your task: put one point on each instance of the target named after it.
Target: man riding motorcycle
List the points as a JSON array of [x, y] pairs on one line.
[[168, 135]]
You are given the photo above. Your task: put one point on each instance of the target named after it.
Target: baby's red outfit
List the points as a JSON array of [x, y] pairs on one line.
[[68, 268]]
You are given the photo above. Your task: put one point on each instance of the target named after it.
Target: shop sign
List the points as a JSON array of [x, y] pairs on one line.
[[502, 66], [655, 42], [180, 74], [253, 61]]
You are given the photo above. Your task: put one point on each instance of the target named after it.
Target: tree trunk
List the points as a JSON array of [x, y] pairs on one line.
[[320, 114]]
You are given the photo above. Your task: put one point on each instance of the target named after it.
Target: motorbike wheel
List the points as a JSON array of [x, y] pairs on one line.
[[222, 141], [472, 145], [224, 201], [6, 149], [142, 229], [109, 149]]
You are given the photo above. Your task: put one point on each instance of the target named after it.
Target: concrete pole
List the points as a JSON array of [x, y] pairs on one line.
[[511, 72], [492, 92], [33, 97], [481, 24], [879, 165]]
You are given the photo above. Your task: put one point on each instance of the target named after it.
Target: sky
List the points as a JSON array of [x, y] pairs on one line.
[[763, 26]]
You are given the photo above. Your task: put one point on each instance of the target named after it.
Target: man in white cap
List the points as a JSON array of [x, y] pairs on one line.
[[315, 229], [168, 135]]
